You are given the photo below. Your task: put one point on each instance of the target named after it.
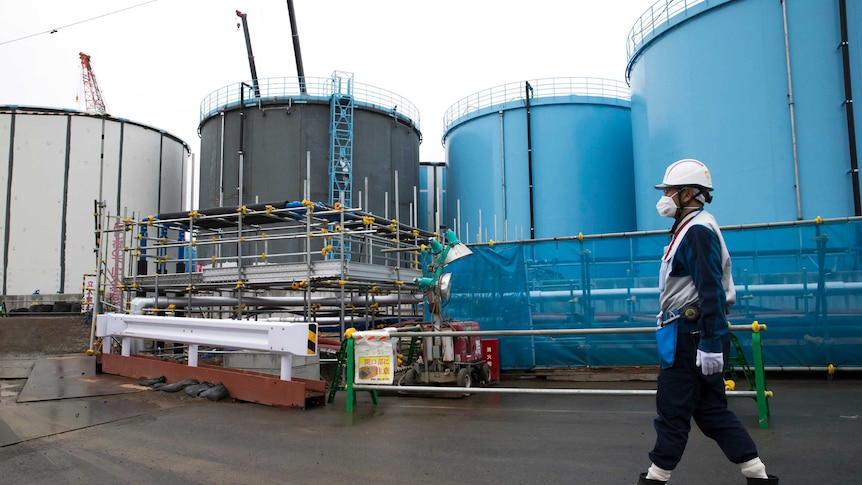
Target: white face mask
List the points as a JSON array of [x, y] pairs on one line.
[[666, 207]]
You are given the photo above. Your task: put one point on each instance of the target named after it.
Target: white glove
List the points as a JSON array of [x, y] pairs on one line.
[[709, 362]]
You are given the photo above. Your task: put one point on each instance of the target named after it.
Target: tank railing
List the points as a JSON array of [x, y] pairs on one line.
[[542, 88], [660, 13], [317, 88], [760, 393]]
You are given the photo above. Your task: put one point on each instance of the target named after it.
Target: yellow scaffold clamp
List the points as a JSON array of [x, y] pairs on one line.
[[193, 215], [240, 284], [367, 220], [757, 327], [269, 209], [308, 204], [150, 220], [326, 250], [242, 210], [263, 256]]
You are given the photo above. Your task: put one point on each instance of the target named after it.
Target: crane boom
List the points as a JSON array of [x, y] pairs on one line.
[[93, 99], [254, 83], [300, 71]]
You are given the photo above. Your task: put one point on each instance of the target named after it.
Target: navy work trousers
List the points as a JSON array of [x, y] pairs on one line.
[[685, 393]]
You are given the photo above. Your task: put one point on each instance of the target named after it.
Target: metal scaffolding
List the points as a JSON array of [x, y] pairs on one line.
[[303, 260]]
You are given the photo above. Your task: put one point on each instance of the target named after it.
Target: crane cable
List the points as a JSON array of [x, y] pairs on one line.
[[54, 30]]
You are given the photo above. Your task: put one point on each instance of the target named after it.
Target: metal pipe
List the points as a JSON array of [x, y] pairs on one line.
[[397, 241], [848, 106], [554, 331], [810, 369], [613, 235], [221, 166], [141, 303], [832, 287], [792, 115], [239, 191], [297, 54], [502, 166], [7, 227], [523, 390], [528, 90]]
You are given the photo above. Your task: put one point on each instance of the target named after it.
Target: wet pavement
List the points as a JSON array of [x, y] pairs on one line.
[[152, 437]]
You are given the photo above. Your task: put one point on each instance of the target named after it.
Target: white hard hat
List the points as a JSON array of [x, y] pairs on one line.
[[686, 173]]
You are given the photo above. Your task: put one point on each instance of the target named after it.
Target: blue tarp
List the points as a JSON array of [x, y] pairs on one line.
[[804, 280]]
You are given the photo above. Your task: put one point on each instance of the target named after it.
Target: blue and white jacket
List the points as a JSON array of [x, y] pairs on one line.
[[696, 270]]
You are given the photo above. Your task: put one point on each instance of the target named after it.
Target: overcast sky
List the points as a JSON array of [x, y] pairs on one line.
[[157, 61]]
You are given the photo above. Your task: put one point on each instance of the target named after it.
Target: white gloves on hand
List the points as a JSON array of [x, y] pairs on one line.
[[709, 362]]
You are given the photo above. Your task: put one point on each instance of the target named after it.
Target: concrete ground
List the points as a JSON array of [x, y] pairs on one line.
[[151, 437], [111, 431]]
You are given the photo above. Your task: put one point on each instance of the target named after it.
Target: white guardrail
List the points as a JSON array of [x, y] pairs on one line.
[[282, 338]]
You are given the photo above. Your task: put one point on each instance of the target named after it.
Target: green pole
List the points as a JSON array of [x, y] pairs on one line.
[[351, 395], [759, 376]]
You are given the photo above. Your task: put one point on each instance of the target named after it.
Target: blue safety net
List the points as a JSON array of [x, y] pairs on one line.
[[803, 280]]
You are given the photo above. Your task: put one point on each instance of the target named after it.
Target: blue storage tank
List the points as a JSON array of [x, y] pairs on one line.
[[709, 80], [571, 175]]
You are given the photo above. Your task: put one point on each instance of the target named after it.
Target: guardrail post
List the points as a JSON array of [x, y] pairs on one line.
[[759, 375], [193, 355], [286, 367], [348, 377]]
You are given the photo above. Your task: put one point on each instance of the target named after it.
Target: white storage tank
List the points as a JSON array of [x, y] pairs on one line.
[[55, 164]]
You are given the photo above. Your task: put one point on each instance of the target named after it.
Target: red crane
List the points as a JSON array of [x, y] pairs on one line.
[[93, 99]]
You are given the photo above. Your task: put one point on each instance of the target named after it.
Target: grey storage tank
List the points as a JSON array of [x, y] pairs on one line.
[[254, 146]]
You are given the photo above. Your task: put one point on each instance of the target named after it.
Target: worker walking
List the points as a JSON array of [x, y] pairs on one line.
[[695, 286]]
